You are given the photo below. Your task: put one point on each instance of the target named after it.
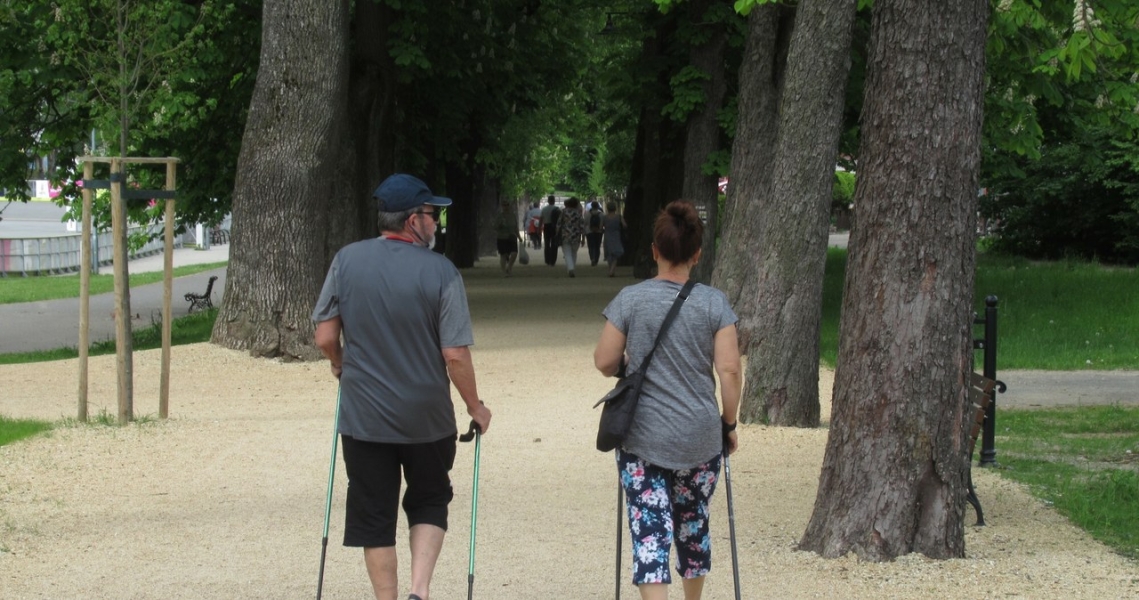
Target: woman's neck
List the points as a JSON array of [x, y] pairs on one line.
[[676, 273]]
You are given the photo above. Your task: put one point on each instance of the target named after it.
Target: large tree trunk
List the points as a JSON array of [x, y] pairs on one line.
[[893, 475], [463, 187], [761, 86], [370, 154], [658, 170], [287, 192], [703, 135], [783, 353]]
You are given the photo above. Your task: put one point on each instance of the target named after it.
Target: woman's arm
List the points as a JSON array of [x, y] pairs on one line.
[[610, 351], [726, 356]]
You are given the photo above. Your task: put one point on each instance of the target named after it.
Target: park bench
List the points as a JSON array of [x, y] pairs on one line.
[[202, 301], [981, 390]]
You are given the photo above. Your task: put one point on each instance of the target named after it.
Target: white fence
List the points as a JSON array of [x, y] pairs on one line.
[[60, 254]]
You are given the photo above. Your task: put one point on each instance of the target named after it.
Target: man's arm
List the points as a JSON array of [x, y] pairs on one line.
[[327, 338], [461, 370]]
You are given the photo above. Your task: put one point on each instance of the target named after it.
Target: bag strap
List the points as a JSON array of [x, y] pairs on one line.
[[681, 297]]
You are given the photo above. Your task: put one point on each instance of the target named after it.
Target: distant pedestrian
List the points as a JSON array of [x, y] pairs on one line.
[[534, 225], [507, 237], [550, 214], [593, 228], [613, 224], [571, 229]]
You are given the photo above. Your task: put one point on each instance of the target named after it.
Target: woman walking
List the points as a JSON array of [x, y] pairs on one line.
[[669, 464], [612, 225], [571, 228]]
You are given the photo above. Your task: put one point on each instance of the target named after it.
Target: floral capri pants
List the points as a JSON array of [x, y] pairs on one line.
[[663, 505]]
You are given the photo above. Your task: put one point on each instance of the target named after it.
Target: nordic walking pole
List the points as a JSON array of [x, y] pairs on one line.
[[617, 588], [473, 433], [732, 521], [328, 497]]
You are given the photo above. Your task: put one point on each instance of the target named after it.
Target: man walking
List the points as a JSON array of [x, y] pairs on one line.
[[402, 311], [550, 214]]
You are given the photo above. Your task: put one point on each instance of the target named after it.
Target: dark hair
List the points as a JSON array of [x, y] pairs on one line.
[[611, 206], [678, 232], [573, 202]]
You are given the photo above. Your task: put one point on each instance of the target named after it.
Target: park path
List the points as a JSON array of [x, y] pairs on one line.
[[55, 324]]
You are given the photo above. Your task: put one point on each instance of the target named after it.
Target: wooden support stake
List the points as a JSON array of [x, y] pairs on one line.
[[122, 303], [167, 294], [85, 292]]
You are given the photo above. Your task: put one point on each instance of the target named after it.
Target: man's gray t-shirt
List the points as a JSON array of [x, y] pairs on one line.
[[677, 423], [399, 304]]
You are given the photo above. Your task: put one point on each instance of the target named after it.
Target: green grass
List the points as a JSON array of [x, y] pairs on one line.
[[36, 289], [12, 430], [1056, 316], [190, 329], [1083, 461]]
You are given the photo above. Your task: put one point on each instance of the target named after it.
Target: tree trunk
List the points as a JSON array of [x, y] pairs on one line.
[[658, 169], [286, 195], [463, 215], [761, 85], [783, 376], [893, 478], [703, 137], [371, 105]]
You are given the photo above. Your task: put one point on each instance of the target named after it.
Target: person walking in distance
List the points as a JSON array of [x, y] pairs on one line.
[[594, 227], [669, 463], [507, 237], [402, 312], [570, 230], [612, 226], [534, 225], [550, 214]]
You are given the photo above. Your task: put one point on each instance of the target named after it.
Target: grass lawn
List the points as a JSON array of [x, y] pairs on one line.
[[12, 430], [1082, 461], [36, 289]]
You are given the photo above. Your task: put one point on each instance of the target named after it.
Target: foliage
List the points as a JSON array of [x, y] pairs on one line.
[[1079, 199], [843, 192], [186, 77], [1061, 120], [1080, 461]]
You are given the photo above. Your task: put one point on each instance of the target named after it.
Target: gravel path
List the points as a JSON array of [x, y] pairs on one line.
[[226, 498]]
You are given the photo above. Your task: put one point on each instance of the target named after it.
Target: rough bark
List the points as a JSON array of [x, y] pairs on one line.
[[282, 209], [703, 136], [783, 366], [761, 83], [893, 474]]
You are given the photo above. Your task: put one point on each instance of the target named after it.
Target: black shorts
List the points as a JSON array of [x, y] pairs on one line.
[[509, 246], [374, 483]]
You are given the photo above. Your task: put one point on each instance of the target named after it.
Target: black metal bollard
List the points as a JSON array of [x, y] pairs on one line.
[[988, 343]]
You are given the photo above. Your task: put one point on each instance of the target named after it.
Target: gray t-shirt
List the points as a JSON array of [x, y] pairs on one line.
[[677, 423], [399, 305]]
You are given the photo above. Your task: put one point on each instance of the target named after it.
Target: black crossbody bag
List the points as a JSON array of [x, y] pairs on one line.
[[621, 402]]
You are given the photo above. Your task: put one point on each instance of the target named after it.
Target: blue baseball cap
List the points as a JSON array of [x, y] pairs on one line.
[[402, 192]]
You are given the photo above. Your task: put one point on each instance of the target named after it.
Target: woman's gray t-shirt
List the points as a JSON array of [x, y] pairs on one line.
[[677, 423]]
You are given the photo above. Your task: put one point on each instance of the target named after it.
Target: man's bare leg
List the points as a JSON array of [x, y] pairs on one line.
[[426, 543], [381, 565]]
